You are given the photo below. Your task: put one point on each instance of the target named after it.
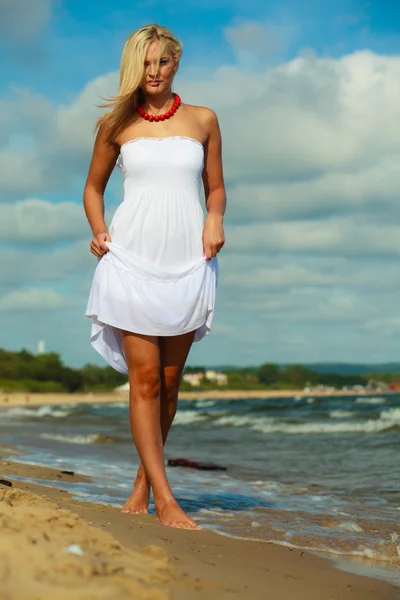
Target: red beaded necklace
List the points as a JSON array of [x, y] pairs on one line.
[[162, 117]]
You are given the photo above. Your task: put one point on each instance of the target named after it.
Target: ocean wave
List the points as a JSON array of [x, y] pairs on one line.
[[387, 420], [393, 414], [238, 421], [341, 414], [121, 404], [375, 400], [92, 438], [205, 403], [39, 411], [184, 417], [381, 554]]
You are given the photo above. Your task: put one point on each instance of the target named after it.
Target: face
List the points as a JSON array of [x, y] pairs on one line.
[[153, 83]]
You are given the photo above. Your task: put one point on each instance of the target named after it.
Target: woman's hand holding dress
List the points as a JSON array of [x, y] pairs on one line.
[[213, 235], [98, 246]]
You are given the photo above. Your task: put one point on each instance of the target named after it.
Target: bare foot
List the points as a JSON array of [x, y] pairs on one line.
[[171, 515], [138, 501]]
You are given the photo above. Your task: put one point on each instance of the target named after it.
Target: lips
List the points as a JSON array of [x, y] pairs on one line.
[[154, 83]]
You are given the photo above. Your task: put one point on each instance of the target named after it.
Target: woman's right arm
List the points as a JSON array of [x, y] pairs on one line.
[[102, 164]]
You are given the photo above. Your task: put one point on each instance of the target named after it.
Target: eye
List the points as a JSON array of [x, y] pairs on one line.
[[164, 61]]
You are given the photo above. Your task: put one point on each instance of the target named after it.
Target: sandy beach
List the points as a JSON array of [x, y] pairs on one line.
[[35, 399], [53, 546]]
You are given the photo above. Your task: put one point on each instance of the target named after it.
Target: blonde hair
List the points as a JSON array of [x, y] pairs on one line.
[[131, 74]]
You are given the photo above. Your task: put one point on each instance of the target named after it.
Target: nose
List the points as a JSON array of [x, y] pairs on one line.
[[153, 71]]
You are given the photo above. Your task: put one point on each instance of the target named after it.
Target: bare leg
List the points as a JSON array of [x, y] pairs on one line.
[[143, 356], [173, 354]]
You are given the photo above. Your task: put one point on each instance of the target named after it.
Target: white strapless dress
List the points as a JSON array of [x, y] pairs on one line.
[[154, 280]]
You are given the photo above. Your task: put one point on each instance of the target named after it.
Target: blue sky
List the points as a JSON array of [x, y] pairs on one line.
[[307, 97]]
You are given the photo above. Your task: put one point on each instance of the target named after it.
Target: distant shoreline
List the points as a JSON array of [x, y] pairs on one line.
[[37, 399]]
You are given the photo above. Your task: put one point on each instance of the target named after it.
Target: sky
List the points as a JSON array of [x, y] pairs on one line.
[[307, 96]]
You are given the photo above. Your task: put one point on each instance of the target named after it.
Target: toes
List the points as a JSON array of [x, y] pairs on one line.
[[182, 525], [135, 511], [175, 524]]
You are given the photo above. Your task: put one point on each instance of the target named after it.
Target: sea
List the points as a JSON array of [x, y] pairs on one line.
[[317, 473]]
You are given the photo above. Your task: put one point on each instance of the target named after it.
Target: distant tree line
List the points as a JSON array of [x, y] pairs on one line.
[[271, 376], [24, 371]]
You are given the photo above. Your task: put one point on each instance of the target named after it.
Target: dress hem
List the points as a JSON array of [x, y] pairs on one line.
[[101, 322], [114, 358]]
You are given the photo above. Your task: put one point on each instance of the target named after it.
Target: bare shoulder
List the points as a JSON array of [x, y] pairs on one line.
[[202, 112], [104, 136], [204, 116]]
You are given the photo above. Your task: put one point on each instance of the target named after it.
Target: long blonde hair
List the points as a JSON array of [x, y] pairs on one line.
[[131, 74]]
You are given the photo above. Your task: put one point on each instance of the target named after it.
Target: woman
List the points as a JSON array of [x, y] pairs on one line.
[[154, 287]]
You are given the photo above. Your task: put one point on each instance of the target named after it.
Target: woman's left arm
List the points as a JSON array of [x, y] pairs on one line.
[[214, 188]]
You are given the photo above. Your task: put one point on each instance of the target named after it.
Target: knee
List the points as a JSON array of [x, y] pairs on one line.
[[171, 387], [145, 382]]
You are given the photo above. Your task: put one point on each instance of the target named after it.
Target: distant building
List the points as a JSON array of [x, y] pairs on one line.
[[41, 347], [219, 378], [195, 378], [122, 388]]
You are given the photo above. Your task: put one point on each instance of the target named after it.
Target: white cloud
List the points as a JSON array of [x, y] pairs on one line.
[[259, 272], [75, 122], [340, 236], [316, 297], [373, 189], [316, 136], [38, 220], [25, 113], [305, 117], [47, 147], [19, 265], [282, 276], [33, 299], [387, 326], [311, 307], [21, 172]]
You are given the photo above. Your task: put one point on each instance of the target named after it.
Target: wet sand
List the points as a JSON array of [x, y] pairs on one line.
[[52, 546]]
